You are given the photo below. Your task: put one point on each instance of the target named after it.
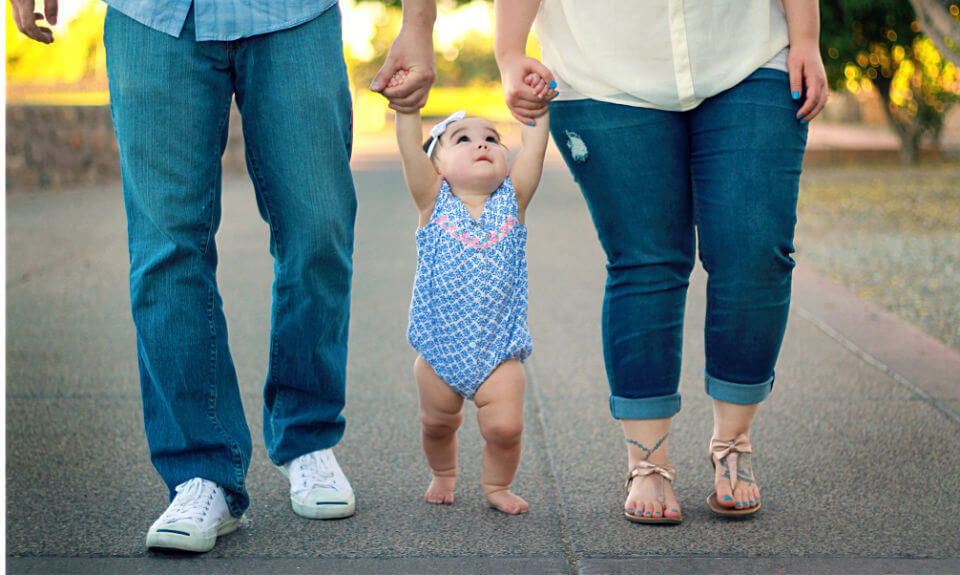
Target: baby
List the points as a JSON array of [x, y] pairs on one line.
[[468, 317]]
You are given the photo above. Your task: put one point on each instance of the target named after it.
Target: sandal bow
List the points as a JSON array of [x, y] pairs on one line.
[[719, 450], [645, 468]]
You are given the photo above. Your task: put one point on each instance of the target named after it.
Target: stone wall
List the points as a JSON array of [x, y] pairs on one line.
[[63, 147]]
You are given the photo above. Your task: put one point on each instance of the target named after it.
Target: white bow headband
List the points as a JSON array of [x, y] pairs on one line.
[[441, 127]]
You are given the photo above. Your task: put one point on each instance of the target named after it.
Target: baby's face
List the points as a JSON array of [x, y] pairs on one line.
[[469, 154]]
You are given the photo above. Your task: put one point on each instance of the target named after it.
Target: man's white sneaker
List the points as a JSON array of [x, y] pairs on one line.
[[318, 487], [194, 518]]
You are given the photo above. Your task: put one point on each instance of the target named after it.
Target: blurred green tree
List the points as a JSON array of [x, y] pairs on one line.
[[879, 44], [940, 21]]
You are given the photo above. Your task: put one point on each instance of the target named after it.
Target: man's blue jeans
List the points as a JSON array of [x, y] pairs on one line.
[[170, 100], [728, 170]]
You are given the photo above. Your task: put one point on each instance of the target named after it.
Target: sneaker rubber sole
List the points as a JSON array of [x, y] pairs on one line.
[[320, 509], [184, 537], [323, 509]]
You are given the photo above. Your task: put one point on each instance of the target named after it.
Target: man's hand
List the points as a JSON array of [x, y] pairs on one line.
[[26, 19], [411, 53]]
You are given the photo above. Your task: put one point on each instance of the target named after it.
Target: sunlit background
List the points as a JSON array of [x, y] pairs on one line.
[[73, 70], [883, 202]]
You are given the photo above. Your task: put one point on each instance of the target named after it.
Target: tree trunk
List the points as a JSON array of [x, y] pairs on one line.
[[938, 25], [908, 132], [910, 148]]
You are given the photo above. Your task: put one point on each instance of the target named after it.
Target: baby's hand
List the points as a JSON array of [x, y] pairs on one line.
[[542, 89], [398, 77]]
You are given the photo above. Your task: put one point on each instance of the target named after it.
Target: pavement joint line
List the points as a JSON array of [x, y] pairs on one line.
[[568, 548], [31, 275], [876, 363]]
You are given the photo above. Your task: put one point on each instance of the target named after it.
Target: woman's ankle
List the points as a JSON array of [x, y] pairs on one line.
[[646, 440], [731, 420]]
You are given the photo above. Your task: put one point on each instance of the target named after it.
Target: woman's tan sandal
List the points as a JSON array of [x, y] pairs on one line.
[[658, 474], [731, 462]]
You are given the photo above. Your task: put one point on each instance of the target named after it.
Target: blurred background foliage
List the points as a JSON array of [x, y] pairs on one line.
[[73, 69], [880, 45], [889, 233], [867, 45]]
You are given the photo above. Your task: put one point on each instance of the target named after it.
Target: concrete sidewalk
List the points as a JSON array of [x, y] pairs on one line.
[[856, 447]]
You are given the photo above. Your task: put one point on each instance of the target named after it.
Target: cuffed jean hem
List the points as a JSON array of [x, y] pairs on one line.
[[237, 504], [739, 393], [657, 407]]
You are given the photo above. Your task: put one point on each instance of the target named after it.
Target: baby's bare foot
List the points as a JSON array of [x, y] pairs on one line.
[[506, 501], [440, 490]]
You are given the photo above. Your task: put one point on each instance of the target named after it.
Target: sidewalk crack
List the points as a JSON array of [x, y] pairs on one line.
[[568, 547], [876, 363]]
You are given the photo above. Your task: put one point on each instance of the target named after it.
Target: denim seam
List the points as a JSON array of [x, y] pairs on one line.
[[215, 199], [235, 450], [274, 229]]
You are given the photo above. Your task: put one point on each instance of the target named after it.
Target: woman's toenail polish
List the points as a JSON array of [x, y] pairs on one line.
[[727, 498], [630, 510]]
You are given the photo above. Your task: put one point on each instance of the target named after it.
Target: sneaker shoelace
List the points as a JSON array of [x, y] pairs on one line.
[[192, 501], [314, 473]]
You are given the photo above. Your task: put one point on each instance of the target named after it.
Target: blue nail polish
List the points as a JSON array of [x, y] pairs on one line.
[[675, 510], [799, 116], [796, 95], [739, 504], [727, 498], [532, 124], [647, 513], [553, 84], [630, 510], [804, 121]]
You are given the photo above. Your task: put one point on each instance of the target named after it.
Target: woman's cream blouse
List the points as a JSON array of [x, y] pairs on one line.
[[664, 54]]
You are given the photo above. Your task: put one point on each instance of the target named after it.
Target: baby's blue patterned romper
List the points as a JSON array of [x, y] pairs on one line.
[[469, 308]]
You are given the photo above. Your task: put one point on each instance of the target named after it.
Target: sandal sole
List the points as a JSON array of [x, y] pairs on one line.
[[715, 506], [652, 521]]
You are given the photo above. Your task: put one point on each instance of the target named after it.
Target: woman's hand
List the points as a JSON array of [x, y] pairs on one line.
[[528, 87], [807, 77]]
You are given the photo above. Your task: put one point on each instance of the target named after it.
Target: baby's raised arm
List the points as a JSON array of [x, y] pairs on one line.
[[528, 165], [422, 180]]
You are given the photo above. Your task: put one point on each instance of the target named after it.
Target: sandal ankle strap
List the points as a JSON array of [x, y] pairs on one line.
[[644, 468]]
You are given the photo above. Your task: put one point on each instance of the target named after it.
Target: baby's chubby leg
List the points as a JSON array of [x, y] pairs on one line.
[[500, 416], [441, 413]]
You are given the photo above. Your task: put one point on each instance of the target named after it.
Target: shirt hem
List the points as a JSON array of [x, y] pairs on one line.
[[260, 31]]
